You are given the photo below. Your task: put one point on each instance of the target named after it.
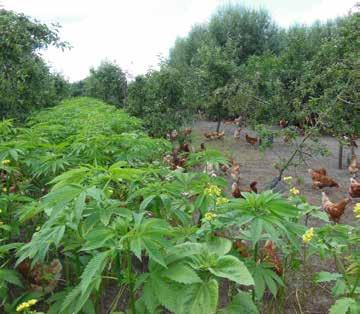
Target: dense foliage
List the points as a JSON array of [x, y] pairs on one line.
[[26, 82], [157, 98], [107, 82], [87, 205], [241, 63], [96, 216]]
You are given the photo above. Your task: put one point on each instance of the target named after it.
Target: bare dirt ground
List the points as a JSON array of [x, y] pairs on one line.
[[301, 295]]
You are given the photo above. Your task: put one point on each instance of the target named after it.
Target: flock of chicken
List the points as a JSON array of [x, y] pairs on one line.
[[237, 135], [320, 178]]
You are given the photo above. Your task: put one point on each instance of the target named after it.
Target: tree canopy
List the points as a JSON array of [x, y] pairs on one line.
[[26, 82]]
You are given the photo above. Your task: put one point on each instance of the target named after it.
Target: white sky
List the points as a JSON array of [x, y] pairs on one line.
[[135, 32]]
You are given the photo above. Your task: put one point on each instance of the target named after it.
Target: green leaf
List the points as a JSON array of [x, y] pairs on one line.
[[256, 231], [10, 276], [166, 293], [149, 297], [97, 238], [182, 273], [145, 203], [233, 269], [342, 306], [205, 298], [89, 307], [183, 250], [92, 270], [79, 205], [219, 246], [59, 198], [325, 276], [241, 303], [135, 246], [339, 288], [154, 252], [270, 283], [320, 215], [259, 283]]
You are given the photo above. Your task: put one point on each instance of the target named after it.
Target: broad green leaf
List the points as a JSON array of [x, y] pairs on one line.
[[182, 273], [342, 306], [154, 252], [241, 303], [325, 276], [183, 250], [10, 276], [96, 238], [233, 269], [149, 297], [219, 246], [205, 298], [166, 293], [62, 196]]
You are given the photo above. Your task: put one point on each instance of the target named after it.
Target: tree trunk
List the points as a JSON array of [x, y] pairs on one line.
[[218, 123], [352, 150], [341, 150]]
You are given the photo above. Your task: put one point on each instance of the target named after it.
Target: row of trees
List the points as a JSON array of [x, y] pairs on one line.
[[106, 82], [26, 82], [239, 63]]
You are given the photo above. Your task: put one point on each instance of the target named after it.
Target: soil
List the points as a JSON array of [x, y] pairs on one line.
[[301, 296]]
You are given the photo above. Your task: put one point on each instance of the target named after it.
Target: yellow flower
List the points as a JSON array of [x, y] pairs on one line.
[[1, 222], [0, 211], [287, 179], [308, 235], [357, 210], [32, 302], [294, 191], [221, 201], [212, 190], [5, 190], [25, 305], [210, 216], [5, 162], [37, 228]]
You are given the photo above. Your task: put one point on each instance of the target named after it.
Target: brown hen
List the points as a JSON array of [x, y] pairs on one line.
[[334, 210], [320, 180], [354, 189], [251, 140]]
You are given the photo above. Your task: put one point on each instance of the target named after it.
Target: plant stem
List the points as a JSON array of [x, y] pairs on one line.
[[256, 248], [131, 283], [355, 284]]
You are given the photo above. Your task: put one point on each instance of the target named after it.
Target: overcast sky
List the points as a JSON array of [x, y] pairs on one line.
[[135, 32]]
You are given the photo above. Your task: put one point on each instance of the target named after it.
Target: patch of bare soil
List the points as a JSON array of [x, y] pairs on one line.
[[301, 296]]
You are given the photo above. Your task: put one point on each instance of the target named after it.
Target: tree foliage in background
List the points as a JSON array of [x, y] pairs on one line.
[[157, 98], [107, 82], [241, 63], [26, 82]]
